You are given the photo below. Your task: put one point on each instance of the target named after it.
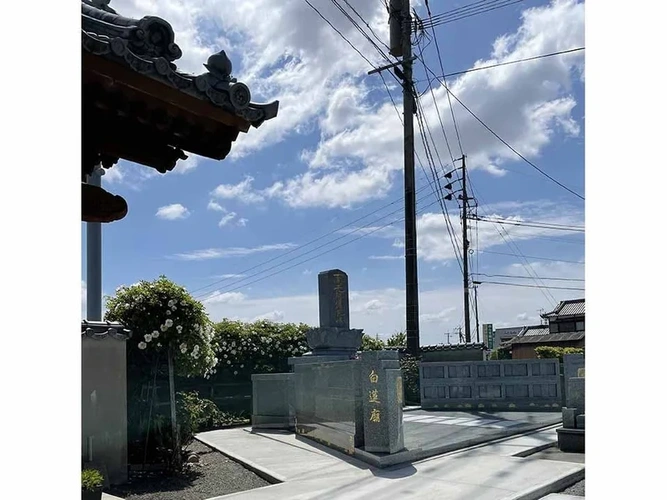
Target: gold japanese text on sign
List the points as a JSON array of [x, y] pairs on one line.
[[339, 297], [399, 390], [374, 397]]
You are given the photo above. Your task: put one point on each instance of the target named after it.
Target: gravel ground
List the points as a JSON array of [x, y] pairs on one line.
[[576, 489], [215, 475]]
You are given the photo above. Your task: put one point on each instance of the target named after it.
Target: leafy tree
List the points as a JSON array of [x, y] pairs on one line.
[[398, 339], [369, 343]]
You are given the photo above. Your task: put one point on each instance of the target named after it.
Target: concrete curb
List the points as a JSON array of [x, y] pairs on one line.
[[267, 475], [559, 484]]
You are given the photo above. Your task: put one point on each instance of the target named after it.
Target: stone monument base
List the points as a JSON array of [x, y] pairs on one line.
[[571, 440], [273, 401]]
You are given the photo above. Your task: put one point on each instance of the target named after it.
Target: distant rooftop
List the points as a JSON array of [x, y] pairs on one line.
[[539, 334], [565, 308]]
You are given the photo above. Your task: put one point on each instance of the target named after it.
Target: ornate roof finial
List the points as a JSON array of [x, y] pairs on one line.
[[219, 66]]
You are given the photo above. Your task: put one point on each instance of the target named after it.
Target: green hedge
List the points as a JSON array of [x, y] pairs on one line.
[[548, 352]]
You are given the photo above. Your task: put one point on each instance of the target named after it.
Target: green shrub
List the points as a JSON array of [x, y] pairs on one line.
[[549, 352], [500, 354], [195, 414], [410, 374], [91, 479], [369, 343], [259, 347], [161, 315]]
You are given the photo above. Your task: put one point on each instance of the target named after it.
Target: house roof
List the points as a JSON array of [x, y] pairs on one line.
[[567, 308], [539, 334]]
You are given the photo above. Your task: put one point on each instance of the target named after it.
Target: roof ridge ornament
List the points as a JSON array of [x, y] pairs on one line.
[[148, 37]]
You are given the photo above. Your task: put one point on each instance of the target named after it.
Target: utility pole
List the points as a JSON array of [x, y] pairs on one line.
[[400, 40], [94, 259], [476, 314], [466, 243]]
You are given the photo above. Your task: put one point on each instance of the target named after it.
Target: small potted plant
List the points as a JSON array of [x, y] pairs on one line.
[[91, 484]]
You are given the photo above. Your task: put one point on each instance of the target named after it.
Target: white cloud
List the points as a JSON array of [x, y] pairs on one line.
[[433, 240], [242, 222], [224, 298], [226, 219], [172, 212], [242, 191], [187, 165], [215, 206], [373, 305], [218, 253], [386, 257], [275, 316], [286, 51]]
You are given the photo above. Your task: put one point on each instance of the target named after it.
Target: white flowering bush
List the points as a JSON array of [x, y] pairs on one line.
[[161, 315], [259, 347]]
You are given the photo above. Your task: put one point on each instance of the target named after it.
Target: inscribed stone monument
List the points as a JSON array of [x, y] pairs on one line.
[[333, 340], [382, 393]]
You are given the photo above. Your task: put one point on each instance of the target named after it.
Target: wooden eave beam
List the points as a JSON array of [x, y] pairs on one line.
[[117, 75]]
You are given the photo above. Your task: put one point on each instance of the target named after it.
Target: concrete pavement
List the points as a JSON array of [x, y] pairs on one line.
[[493, 471]]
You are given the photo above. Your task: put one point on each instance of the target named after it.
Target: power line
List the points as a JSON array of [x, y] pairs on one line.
[[337, 230], [530, 286], [515, 276], [533, 257], [528, 224], [516, 61], [367, 25], [465, 12], [527, 266], [374, 230], [366, 226], [500, 138]]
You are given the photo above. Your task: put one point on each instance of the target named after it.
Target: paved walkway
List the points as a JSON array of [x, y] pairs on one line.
[[308, 470]]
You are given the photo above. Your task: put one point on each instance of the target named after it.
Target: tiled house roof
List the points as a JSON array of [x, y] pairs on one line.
[[539, 334], [567, 308]]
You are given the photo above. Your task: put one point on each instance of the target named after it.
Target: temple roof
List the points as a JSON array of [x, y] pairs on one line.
[[147, 46], [138, 106]]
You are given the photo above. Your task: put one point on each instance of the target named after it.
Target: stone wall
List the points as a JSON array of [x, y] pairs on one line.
[[104, 406], [529, 385]]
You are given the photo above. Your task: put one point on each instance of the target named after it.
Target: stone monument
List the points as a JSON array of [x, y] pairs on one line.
[[382, 393], [571, 437], [333, 340]]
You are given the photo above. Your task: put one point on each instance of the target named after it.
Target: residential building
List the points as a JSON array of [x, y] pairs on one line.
[[565, 328]]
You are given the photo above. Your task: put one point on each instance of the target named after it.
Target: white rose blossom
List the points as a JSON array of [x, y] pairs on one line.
[[168, 323], [142, 345], [179, 328], [148, 337], [155, 334]]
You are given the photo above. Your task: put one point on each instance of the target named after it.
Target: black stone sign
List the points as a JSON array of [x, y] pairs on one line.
[[334, 299]]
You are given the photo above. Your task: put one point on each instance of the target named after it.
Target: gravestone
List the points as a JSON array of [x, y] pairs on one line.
[[382, 393], [333, 340], [272, 401], [571, 435]]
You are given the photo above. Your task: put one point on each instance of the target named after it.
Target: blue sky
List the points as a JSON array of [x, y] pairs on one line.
[[334, 154]]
